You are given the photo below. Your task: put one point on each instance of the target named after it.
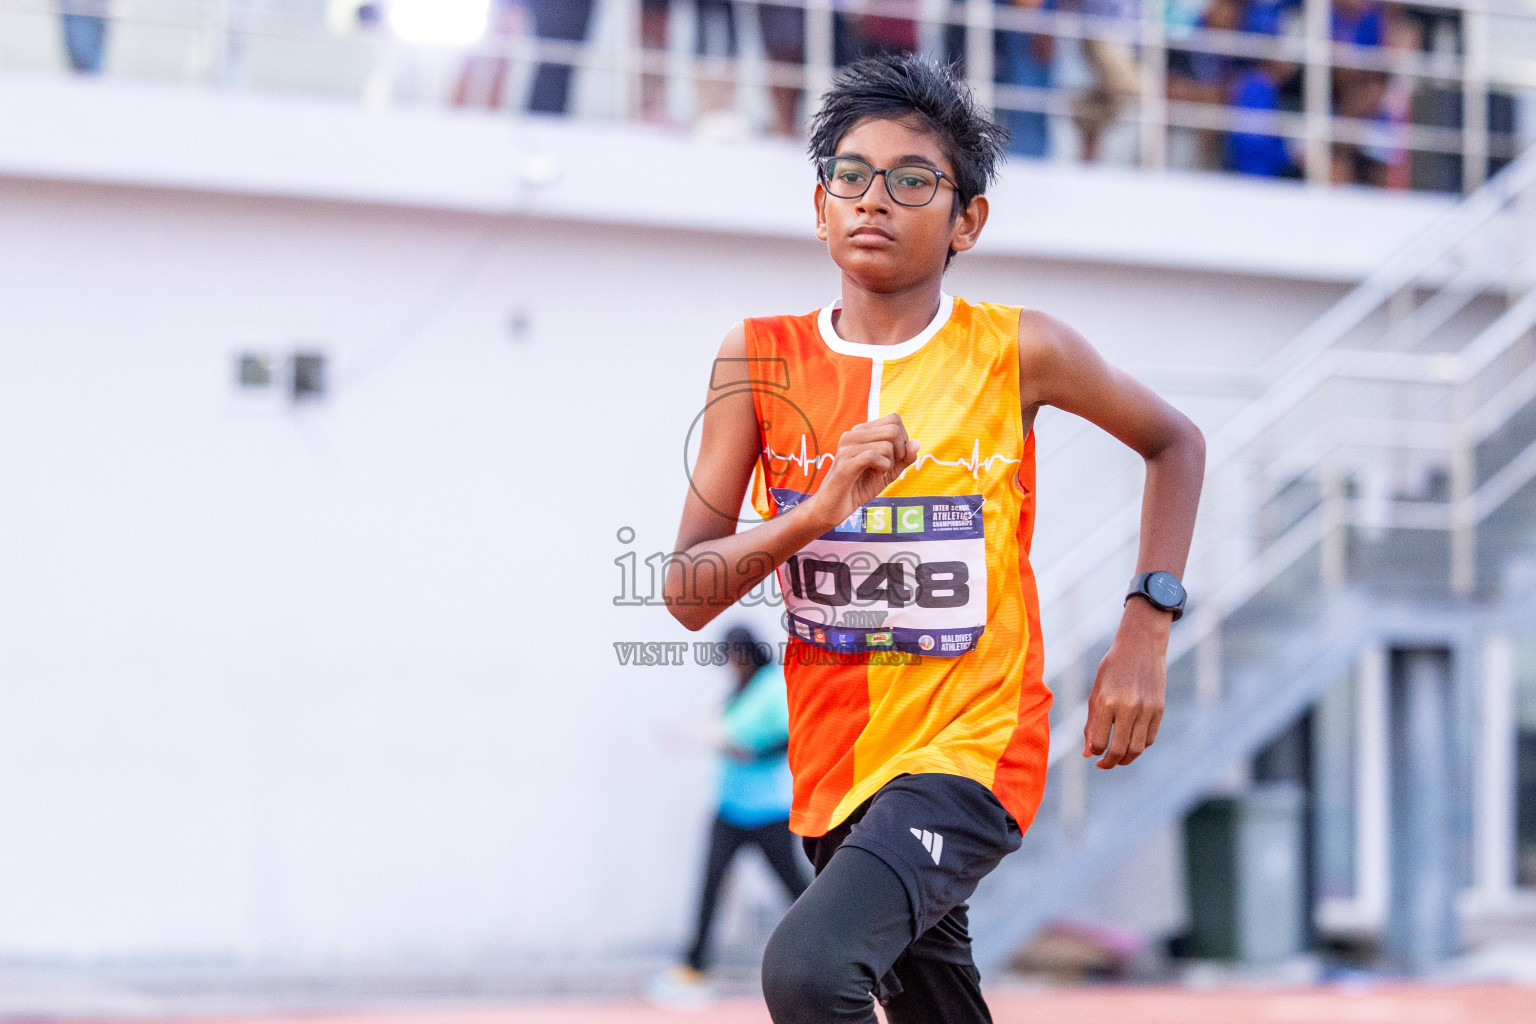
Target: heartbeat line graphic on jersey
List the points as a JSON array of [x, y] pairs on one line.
[[974, 465], [807, 464]]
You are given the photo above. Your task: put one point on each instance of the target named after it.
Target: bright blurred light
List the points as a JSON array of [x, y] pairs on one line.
[[441, 22]]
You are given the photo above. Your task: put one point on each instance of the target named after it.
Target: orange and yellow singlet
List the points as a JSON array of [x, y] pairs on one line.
[[914, 625]]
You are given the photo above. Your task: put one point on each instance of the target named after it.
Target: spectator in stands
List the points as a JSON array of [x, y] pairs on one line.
[[1259, 153], [1404, 33], [1354, 163], [1203, 77], [715, 42], [856, 36], [653, 40], [484, 75], [1269, 16], [1025, 59], [1358, 93], [783, 33], [1198, 77], [1263, 85], [1113, 64], [1359, 22], [557, 21], [85, 34]]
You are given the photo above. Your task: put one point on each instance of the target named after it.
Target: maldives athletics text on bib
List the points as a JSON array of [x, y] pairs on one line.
[[900, 574]]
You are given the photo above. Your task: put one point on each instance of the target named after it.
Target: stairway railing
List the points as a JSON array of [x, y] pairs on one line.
[[1022, 896], [1375, 410], [1294, 369]]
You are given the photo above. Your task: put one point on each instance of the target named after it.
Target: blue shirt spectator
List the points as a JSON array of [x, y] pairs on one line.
[[1360, 23], [1251, 153], [1024, 59], [1267, 16]]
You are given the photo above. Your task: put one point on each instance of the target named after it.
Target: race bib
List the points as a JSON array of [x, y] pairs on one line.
[[900, 574]]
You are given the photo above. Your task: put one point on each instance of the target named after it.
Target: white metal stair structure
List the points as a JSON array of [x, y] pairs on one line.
[[1381, 486]]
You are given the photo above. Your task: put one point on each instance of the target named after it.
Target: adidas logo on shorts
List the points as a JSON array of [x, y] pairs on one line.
[[932, 842]]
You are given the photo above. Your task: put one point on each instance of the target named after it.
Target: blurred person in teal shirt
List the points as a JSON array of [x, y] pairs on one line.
[[754, 797]]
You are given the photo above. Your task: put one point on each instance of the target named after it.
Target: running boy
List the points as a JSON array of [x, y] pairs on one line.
[[888, 442]]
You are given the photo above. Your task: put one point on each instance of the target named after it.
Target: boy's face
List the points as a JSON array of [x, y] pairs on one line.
[[880, 243]]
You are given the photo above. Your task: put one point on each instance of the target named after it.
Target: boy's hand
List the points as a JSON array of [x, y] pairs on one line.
[[869, 457], [1126, 705]]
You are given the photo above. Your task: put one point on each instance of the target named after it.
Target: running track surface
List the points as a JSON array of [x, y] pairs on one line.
[[1386, 1004]]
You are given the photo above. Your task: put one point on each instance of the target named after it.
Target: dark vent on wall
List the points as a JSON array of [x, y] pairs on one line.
[[308, 376]]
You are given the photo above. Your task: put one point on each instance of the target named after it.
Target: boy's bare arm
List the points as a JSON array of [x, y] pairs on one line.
[[868, 458], [1057, 367]]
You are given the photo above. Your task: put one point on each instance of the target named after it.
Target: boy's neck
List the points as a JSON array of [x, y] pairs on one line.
[[885, 318]]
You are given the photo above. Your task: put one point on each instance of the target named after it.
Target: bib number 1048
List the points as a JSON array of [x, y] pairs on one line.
[[931, 584]]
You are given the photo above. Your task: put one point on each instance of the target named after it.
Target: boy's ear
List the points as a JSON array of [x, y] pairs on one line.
[[967, 227], [819, 197]]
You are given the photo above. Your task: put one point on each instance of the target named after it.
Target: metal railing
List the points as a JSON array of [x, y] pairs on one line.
[[1375, 421], [1438, 86]]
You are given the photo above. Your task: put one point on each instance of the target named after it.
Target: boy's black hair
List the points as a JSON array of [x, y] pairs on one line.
[[900, 86]]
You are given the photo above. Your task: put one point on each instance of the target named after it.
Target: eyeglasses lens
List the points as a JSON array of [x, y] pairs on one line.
[[911, 186], [847, 178]]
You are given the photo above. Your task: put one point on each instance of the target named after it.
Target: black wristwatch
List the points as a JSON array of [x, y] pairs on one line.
[[1162, 590]]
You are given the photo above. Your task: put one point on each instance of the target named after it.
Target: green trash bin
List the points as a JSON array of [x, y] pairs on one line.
[[1243, 873]]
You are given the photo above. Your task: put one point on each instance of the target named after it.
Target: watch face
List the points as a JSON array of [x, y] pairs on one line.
[[1165, 588]]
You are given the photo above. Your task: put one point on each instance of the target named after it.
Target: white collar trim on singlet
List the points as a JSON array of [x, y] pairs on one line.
[[884, 352]]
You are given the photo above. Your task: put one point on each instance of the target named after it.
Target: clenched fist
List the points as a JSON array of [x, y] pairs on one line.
[[869, 457]]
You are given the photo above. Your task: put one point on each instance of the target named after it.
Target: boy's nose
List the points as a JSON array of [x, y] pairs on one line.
[[877, 197]]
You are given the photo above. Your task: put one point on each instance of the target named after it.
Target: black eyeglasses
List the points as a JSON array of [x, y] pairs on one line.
[[848, 177]]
